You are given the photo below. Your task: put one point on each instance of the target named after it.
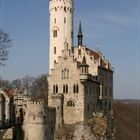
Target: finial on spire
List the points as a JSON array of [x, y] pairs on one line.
[[80, 35]]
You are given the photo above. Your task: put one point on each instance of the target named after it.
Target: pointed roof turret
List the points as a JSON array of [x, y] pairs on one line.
[[80, 34], [84, 64]]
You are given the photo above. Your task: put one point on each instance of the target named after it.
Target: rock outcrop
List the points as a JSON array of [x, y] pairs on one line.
[[99, 127]]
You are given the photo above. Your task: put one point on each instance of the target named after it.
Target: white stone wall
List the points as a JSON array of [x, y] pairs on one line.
[[60, 10]]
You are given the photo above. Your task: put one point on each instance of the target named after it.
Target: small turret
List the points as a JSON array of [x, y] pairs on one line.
[[80, 35]]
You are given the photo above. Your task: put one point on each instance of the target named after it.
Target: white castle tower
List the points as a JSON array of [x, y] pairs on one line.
[[61, 28]]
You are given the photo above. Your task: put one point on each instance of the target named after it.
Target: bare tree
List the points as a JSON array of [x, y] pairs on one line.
[[4, 83], [39, 89], [5, 44], [27, 82], [17, 83]]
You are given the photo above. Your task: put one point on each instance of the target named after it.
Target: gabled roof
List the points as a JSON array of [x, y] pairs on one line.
[[93, 53]]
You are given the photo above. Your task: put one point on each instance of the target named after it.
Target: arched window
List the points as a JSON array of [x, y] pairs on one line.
[[62, 74], [55, 9], [67, 73], [70, 104], [55, 33], [74, 91], [54, 50], [56, 88], [66, 88], [77, 88], [65, 9]]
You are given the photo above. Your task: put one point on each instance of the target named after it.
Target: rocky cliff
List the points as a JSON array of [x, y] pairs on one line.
[[99, 127]]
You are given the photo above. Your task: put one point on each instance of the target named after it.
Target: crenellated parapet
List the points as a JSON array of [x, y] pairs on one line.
[[39, 117], [66, 5]]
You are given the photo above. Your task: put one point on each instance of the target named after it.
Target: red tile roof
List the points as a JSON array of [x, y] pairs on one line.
[[93, 53]]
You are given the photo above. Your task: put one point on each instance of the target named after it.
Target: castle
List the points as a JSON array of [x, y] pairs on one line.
[[80, 80]]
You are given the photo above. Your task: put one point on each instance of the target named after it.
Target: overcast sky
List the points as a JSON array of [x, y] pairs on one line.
[[113, 24]]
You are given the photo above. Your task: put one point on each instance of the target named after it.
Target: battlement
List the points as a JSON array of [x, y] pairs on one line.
[[57, 96], [66, 5], [36, 102], [50, 109], [62, 1]]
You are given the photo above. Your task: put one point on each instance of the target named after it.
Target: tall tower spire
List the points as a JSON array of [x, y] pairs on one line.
[[80, 35], [61, 28]]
